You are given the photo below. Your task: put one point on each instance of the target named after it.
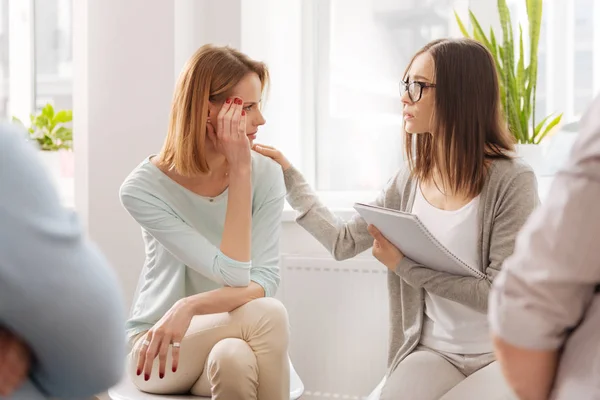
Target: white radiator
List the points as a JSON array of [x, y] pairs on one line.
[[339, 320]]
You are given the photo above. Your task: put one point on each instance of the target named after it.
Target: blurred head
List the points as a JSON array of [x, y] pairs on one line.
[[210, 76], [452, 114]]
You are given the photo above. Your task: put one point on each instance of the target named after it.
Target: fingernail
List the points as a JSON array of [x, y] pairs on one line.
[[238, 101], [161, 375], [174, 369], [139, 372], [146, 377], [243, 113], [228, 101]]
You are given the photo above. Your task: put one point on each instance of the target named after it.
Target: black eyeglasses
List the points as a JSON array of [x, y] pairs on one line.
[[414, 89]]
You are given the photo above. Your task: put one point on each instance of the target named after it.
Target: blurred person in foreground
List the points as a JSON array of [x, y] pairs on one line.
[[545, 303], [61, 311]]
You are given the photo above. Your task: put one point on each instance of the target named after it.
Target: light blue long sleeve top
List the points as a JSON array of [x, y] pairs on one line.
[[57, 291], [182, 233]]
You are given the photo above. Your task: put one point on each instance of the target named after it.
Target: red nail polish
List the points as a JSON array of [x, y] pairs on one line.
[[174, 369], [139, 372], [243, 113], [238, 102], [146, 377], [161, 375], [228, 101]]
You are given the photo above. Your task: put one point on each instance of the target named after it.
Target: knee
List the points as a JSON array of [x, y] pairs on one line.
[[232, 361], [270, 312], [268, 319]]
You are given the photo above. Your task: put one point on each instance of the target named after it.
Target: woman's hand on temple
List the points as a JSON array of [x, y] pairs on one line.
[[15, 362], [383, 250], [167, 332], [230, 136], [274, 154]]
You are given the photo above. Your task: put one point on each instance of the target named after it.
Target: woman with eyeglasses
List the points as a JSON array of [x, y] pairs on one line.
[[463, 183]]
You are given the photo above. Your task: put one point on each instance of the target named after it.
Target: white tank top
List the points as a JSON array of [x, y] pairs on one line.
[[450, 326]]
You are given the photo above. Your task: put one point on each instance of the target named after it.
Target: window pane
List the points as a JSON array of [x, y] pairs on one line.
[[359, 144], [584, 54], [53, 53], [3, 59], [542, 59]]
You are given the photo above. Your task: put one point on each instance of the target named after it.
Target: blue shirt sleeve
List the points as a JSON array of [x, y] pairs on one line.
[[184, 242], [266, 233], [57, 291]]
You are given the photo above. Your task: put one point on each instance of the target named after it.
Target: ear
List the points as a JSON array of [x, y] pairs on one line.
[[212, 110]]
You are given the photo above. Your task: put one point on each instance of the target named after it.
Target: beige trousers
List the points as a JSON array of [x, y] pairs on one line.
[[428, 374], [228, 356]]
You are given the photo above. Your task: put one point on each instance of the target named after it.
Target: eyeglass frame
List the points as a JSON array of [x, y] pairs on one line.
[[403, 86]]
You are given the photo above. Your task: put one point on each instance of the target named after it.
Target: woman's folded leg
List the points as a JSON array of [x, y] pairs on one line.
[[261, 323]]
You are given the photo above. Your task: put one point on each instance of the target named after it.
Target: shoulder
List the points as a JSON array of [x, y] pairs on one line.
[[267, 175], [587, 145], [13, 145], [21, 170], [510, 171], [512, 183], [400, 181], [141, 183]]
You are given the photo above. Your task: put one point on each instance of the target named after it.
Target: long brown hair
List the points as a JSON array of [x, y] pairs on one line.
[[209, 75], [468, 124]]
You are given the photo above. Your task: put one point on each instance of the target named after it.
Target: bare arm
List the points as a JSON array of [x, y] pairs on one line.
[[529, 372], [236, 241], [223, 299], [234, 144]]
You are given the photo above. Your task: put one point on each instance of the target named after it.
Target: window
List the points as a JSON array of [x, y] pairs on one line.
[[35, 56], [3, 59], [36, 69], [360, 49], [53, 53], [583, 49]]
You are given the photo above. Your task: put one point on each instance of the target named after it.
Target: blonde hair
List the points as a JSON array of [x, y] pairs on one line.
[[208, 76]]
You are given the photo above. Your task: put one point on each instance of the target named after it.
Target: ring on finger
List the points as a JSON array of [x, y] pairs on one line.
[[146, 342], [176, 344]]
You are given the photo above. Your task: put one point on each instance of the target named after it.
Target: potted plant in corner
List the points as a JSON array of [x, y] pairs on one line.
[[518, 79], [50, 130]]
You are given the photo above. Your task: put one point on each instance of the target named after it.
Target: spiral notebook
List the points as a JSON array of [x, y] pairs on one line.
[[408, 234]]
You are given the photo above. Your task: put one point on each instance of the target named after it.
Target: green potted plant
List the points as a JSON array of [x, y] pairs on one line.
[[518, 78], [52, 133]]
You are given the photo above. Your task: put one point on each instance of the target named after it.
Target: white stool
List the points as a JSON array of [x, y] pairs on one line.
[[126, 390]]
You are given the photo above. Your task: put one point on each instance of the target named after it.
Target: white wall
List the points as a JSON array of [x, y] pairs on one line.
[[123, 81]]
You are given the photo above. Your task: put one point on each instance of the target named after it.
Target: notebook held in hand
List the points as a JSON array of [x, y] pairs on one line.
[[408, 234]]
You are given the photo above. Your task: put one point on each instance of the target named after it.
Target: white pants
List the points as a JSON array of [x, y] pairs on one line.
[[430, 375]]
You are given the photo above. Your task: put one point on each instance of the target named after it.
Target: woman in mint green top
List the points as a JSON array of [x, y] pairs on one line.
[[203, 320]]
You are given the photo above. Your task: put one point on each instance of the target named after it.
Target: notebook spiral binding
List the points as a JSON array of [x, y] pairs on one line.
[[443, 248]]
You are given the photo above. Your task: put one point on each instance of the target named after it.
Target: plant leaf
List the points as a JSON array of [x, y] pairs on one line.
[[478, 32], [63, 117], [64, 134], [534, 16], [539, 126], [549, 127], [461, 26], [48, 111]]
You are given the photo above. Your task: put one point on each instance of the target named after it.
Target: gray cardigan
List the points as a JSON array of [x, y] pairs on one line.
[[507, 199]]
